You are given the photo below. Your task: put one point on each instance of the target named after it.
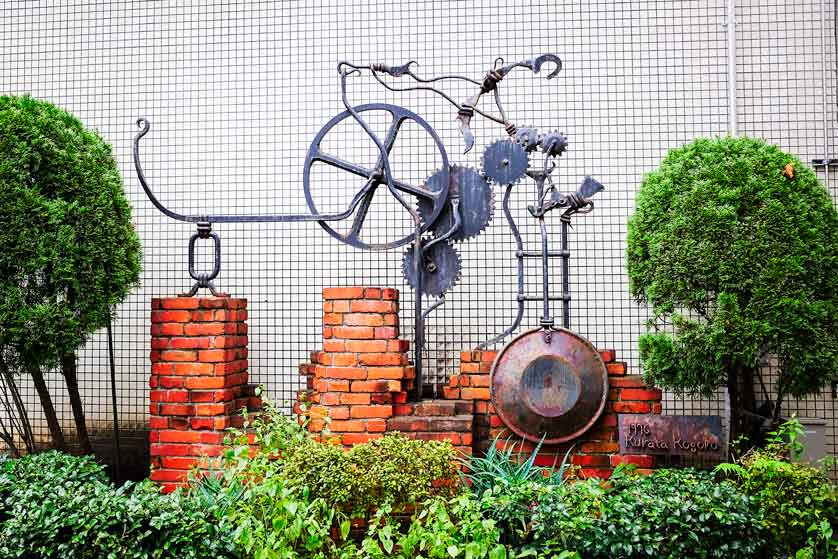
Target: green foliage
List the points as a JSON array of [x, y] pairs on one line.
[[69, 251], [798, 502], [741, 260], [509, 467], [680, 514], [55, 505]]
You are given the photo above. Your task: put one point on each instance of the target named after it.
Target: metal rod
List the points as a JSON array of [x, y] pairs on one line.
[[532, 254], [114, 407], [546, 321], [826, 156], [732, 127], [565, 274]]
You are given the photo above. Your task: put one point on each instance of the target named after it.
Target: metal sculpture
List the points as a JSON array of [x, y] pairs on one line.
[[454, 204]]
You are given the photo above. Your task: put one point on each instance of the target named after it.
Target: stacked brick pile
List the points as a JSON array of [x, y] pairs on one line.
[[597, 451], [199, 382], [361, 378]]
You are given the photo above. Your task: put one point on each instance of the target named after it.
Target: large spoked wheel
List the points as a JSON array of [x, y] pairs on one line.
[[433, 193]]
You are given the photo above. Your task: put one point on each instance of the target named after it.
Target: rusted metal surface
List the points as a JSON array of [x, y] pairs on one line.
[[553, 387], [673, 435]]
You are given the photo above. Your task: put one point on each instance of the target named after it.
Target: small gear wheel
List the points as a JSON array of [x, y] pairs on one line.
[[505, 162], [553, 143], [528, 138], [440, 268], [476, 204]]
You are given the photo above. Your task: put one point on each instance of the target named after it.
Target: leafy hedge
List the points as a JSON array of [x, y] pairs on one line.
[[54, 505]]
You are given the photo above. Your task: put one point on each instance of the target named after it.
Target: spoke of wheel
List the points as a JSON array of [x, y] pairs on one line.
[[361, 214], [341, 164], [415, 190]]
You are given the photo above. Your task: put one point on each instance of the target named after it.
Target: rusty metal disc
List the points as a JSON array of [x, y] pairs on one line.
[[555, 390]]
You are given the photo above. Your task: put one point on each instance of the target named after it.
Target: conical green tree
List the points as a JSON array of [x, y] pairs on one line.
[[734, 245], [68, 250]]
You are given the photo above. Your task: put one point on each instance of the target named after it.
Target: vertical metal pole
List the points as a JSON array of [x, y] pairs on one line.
[[732, 126], [118, 462], [546, 320], [826, 153], [419, 323], [565, 274]]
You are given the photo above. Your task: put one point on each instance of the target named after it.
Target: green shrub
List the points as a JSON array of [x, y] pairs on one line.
[[54, 505], [738, 258], [678, 514]]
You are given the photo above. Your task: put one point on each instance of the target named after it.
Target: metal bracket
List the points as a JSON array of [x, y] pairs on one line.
[[203, 280]]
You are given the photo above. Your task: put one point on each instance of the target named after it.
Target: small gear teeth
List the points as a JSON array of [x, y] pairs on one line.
[[528, 137], [505, 162], [476, 205], [446, 272], [553, 143]]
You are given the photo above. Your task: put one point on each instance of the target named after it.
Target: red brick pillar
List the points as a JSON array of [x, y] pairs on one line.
[[198, 381], [363, 368]]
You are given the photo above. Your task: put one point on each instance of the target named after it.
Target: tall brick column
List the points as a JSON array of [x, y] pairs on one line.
[[363, 368], [198, 381]]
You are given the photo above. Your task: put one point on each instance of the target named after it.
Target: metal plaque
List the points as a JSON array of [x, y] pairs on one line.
[[690, 435], [549, 383]]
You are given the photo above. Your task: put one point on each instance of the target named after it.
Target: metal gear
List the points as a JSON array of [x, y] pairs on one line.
[[528, 138], [476, 204], [505, 162], [440, 268], [553, 143]]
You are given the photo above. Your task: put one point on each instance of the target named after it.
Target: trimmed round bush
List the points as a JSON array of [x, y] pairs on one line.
[[734, 245], [68, 250]]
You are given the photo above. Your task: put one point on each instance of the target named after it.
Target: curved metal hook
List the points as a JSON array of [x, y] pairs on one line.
[[535, 64], [144, 126]]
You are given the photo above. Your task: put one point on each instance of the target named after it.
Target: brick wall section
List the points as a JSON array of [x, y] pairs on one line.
[[361, 378], [597, 451], [199, 382]]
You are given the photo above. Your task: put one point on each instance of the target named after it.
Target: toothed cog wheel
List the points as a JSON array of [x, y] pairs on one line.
[[528, 138], [505, 162], [440, 268], [553, 143], [476, 204]]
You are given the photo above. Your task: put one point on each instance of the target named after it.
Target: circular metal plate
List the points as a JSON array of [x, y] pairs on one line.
[[556, 390]]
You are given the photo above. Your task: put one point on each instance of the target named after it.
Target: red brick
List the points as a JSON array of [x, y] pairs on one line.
[[595, 460], [343, 292], [632, 407], [607, 355], [386, 332], [384, 398], [372, 293], [351, 425], [334, 345], [354, 332], [213, 396], [206, 450], [632, 381], [340, 306], [616, 369], [376, 386], [639, 460], [229, 367], [344, 359], [652, 394], [608, 420], [352, 398], [399, 397], [390, 294], [206, 383], [390, 319], [479, 380], [193, 369], [657, 408], [358, 438], [323, 385], [475, 394], [333, 319], [178, 436], [222, 342], [169, 475], [373, 306], [179, 303], [383, 359], [469, 368], [351, 373], [159, 317], [371, 411], [176, 396], [169, 449], [175, 409], [170, 329], [157, 422], [600, 447], [204, 316], [450, 393], [160, 343], [190, 343], [377, 425], [399, 346], [216, 355], [363, 319], [213, 409], [206, 329], [214, 302], [179, 462], [395, 373]]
